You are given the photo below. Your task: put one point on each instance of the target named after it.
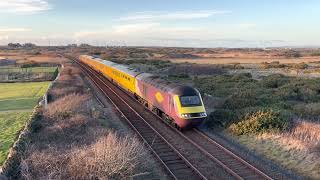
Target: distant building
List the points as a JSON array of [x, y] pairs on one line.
[[7, 62]]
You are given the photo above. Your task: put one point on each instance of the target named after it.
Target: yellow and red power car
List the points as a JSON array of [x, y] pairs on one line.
[[179, 104]]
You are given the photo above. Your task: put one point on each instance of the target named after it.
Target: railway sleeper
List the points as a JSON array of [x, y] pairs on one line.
[[246, 173], [178, 166], [161, 154], [177, 158], [149, 134], [144, 129], [176, 162], [159, 145], [163, 150], [149, 137], [168, 158], [159, 141], [237, 166], [187, 175], [162, 147]]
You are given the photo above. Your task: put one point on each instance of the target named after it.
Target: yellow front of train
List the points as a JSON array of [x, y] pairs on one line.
[[190, 110]]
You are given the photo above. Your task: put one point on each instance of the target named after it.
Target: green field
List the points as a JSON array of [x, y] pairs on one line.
[[11, 69], [10, 125], [21, 96], [17, 101]]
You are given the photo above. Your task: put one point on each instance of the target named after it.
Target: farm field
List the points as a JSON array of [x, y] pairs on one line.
[[17, 101], [21, 96]]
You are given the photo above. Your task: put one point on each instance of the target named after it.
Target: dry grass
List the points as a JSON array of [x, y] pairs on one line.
[[298, 149], [66, 106], [307, 136], [110, 157]]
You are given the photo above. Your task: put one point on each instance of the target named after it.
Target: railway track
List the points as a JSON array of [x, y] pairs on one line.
[[172, 159]]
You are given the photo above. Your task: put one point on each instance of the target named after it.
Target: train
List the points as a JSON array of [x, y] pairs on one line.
[[178, 104]]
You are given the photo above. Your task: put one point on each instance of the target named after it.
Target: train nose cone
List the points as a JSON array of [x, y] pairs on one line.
[[190, 123]]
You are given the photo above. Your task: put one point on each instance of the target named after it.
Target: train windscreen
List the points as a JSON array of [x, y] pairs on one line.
[[190, 101]]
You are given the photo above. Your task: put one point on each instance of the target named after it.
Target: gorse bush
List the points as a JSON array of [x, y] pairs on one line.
[[242, 99], [275, 81], [221, 118], [300, 66], [260, 121], [275, 64]]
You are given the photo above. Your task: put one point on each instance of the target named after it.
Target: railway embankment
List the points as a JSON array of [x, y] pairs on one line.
[[76, 136]]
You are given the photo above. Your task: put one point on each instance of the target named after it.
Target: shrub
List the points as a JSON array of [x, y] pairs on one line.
[[300, 66], [275, 81], [111, 157], [308, 110], [66, 106], [221, 118], [292, 54], [260, 121], [317, 53], [274, 64], [242, 98]]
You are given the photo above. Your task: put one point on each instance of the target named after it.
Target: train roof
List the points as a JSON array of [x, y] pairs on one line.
[[167, 86], [126, 69], [151, 79], [120, 67]]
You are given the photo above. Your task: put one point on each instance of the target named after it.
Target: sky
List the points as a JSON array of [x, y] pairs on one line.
[[181, 23]]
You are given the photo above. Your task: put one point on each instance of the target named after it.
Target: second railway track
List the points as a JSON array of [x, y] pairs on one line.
[[168, 153]]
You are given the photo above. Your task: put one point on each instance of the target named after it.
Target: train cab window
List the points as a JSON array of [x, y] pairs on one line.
[[190, 101]]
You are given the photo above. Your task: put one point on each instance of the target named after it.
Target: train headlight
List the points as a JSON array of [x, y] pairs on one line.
[[186, 115], [203, 114]]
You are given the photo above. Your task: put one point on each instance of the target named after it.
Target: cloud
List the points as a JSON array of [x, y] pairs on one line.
[[23, 6], [130, 28], [10, 30], [179, 15], [85, 34], [5, 37]]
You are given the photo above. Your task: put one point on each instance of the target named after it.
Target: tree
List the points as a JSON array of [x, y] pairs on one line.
[[14, 45]]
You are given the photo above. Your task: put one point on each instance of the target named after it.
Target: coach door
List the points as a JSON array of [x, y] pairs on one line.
[[170, 104], [145, 89]]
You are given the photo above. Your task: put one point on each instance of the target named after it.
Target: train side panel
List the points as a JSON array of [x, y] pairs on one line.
[[153, 95], [123, 79]]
